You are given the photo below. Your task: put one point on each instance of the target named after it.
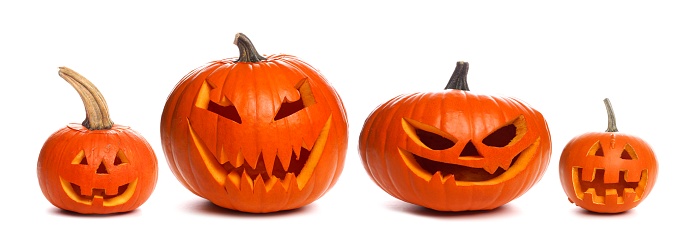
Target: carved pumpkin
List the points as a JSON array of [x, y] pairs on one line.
[[96, 167], [607, 172], [455, 150], [255, 134]]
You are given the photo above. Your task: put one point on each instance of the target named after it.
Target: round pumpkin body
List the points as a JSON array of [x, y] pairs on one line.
[[455, 150], [96, 167], [97, 171], [257, 136], [607, 172]]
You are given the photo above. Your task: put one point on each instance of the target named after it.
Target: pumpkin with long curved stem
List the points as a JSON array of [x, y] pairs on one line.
[[607, 172], [455, 150], [96, 167], [255, 133]]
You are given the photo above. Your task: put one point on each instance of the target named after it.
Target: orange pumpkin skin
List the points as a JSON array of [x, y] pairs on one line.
[[96, 167], [256, 137], [97, 171], [607, 172], [455, 150]]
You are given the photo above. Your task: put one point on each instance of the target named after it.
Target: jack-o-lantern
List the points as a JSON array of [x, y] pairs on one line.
[[455, 150], [607, 172], [96, 167], [255, 134]]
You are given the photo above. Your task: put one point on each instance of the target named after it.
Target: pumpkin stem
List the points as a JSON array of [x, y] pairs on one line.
[[611, 121], [97, 117], [248, 54], [459, 78]]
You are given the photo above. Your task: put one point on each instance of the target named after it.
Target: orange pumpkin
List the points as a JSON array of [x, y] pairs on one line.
[[455, 150], [607, 172], [96, 167], [255, 134]]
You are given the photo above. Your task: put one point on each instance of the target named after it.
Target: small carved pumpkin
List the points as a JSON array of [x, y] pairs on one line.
[[455, 150], [96, 167], [255, 134], [607, 172]]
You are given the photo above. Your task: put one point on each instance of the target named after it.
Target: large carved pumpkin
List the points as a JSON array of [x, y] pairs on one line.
[[96, 167], [255, 134], [455, 150], [607, 172]]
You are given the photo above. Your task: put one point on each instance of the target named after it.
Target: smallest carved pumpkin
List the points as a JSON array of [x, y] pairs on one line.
[[607, 172], [97, 167]]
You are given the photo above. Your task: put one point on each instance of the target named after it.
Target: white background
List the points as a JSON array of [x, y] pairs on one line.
[[562, 59]]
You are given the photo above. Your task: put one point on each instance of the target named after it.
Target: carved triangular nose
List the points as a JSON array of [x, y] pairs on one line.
[[469, 150], [102, 169]]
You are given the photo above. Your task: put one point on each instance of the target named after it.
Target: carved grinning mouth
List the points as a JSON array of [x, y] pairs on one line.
[[465, 175], [110, 197], [298, 171], [594, 186]]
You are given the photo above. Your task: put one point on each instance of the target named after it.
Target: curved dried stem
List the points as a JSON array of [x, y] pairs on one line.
[[248, 53], [611, 120], [97, 116]]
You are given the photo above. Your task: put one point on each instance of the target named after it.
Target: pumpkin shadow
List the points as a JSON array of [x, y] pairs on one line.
[[502, 211], [584, 212], [206, 207], [67, 213]]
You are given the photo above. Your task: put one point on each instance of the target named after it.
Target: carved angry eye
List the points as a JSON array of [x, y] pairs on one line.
[[428, 136], [291, 107], [223, 108]]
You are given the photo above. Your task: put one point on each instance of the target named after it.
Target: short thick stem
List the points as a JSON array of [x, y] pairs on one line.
[[611, 120], [97, 117], [459, 77], [248, 53]]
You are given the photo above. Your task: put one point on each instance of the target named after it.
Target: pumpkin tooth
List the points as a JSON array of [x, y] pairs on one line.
[[284, 159], [271, 182], [630, 195], [268, 160], [612, 197], [642, 184], [588, 174], [591, 195], [289, 180], [611, 176], [246, 182], [631, 176], [239, 159], [492, 169], [234, 177]]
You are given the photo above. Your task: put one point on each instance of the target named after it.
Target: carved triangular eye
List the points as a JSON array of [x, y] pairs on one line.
[[427, 136], [628, 153], [223, 108], [507, 134], [470, 150], [120, 158], [596, 150], [290, 107], [80, 159]]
